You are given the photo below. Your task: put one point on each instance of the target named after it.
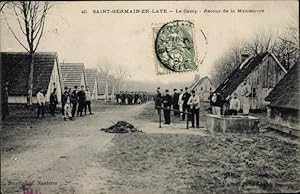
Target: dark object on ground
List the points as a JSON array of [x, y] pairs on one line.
[[121, 127]]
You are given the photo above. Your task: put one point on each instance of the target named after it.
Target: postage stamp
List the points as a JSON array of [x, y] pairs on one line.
[[174, 47]]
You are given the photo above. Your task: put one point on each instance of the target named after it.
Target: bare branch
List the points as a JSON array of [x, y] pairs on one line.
[[11, 30]]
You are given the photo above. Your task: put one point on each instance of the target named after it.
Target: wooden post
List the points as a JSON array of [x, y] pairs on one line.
[[159, 113], [187, 121]]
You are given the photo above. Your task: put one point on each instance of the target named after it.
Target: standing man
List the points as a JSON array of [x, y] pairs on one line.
[[158, 99], [66, 101], [5, 112], [175, 103], [74, 100], [53, 102], [167, 102], [180, 102], [216, 104], [87, 101], [194, 103], [234, 105], [245, 94], [41, 103], [81, 100], [185, 98]]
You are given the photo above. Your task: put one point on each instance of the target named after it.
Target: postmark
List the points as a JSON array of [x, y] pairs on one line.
[[174, 47]]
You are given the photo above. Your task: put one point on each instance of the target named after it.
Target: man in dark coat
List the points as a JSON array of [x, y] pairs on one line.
[[81, 101], [74, 101], [53, 102], [185, 99], [158, 98], [5, 112], [175, 102], [167, 102]]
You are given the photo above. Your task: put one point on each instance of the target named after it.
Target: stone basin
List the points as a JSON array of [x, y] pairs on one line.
[[232, 124]]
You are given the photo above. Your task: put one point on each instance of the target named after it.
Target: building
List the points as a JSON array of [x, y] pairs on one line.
[[73, 74], [203, 87], [16, 69], [262, 72], [284, 107], [92, 82]]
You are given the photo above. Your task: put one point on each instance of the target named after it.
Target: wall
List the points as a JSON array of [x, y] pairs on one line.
[[284, 117], [204, 89], [262, 80]]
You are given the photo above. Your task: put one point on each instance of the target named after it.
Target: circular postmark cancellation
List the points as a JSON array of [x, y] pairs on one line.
[[174, 46]]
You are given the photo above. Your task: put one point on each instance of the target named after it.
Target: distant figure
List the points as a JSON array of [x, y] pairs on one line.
[[5, 111], [194, 103], [158, 99], [53, 102], [87, 101], [81, 101], [136, 97], [67, 105], [167, 102], [74, 100], [175, 103], [185, 99], [245, 94], [216, 104], [118, 98], [234, 105], [41, 103], [180, 101]]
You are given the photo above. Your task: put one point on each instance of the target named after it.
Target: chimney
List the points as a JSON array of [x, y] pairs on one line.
[[244, 57]]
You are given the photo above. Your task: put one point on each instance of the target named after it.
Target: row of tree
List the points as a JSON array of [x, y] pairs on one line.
[[284, 45]]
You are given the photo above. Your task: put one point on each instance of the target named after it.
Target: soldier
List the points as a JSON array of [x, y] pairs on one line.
[[235, 104], [175, 102], [81, 101], [87, 101], [53, 102], [66, 101], [185, 97], [158, 99], [41, 103], [245, 93], [167, 102], [74, 100], [136, 96], [5, 112], [194, 103]]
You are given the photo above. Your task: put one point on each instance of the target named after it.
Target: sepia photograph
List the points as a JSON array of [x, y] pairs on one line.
[[150, 97]]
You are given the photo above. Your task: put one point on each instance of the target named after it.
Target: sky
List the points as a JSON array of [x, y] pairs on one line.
[[128, 40]]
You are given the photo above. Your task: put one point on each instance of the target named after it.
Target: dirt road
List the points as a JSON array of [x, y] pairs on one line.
[[64, 157], [53, 156]]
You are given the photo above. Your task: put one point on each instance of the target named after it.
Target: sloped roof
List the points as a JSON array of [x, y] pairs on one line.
[[91, 76], [241, 72], [286, 93], [16, 68], [72, 74], [199, 82]]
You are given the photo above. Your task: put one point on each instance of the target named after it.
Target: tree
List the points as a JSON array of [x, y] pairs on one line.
[[31, 18], [121, 75]]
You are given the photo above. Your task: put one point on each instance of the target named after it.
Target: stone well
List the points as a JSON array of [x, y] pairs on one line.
[[232, 124]]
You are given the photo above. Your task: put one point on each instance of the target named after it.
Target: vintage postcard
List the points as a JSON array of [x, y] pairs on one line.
[[150, 97]]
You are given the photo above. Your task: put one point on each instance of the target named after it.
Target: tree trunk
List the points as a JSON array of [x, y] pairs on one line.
[[30, 80]]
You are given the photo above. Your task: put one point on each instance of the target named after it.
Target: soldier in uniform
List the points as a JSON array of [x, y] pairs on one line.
[[81, 101], [74, 101], [53, 102], [175, 102], [185, 97], [167, 102], [158, 99], [245, 94]]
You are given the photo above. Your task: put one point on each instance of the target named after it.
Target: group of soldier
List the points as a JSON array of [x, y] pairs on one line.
[[182, 103], [125, 97], [75, 101]]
